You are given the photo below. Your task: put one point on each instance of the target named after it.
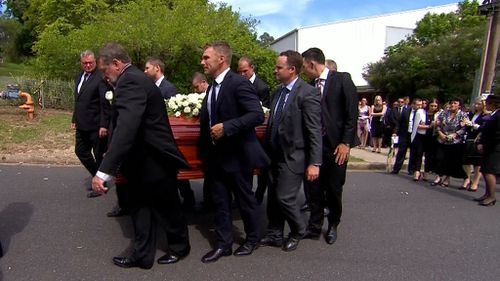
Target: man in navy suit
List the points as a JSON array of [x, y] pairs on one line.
[[246, 68], [229, 149], [143, 148], [339, 116], [293, 141], [155, 70], [91, 115]]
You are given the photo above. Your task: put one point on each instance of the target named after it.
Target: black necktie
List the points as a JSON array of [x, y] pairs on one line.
[[213, 101], [85, 78], [277, 115]]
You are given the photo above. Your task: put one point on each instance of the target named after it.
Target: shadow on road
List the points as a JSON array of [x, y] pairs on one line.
[[13, 219]]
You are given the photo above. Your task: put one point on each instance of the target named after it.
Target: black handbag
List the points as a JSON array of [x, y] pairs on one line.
[[471, 149]]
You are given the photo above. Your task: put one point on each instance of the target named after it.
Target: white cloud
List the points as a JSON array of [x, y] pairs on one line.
[[258, 8]]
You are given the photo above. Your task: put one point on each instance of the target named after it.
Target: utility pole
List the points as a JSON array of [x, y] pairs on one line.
[[490, 8]]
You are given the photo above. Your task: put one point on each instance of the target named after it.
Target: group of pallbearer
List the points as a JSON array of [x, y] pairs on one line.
[[310, 130]]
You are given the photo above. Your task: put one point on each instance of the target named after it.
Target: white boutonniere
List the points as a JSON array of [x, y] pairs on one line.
[[109, 96]]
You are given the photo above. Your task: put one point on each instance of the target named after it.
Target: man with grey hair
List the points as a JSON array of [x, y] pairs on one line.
[[91, 115], [155, 70], [143, 148]]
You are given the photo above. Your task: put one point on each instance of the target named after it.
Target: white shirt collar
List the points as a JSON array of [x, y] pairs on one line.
[[324, 74], [221, 76], [290, 85], [158, 82], [252, 79]]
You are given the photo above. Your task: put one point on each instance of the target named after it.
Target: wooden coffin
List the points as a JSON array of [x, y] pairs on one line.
[[187, 133]]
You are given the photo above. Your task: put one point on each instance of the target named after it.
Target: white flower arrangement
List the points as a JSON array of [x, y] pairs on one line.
[[109, 96], [185, 105]]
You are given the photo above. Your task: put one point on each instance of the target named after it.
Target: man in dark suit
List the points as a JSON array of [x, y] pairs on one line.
[[339, 115], [155, 70], [246, 68], [293, 141], [229, 149], [91, 115], [403, 131], [143, 148]]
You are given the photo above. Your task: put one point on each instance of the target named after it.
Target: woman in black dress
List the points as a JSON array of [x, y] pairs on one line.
[[489, 145], [472, 159], [430, 141], [377, 113]]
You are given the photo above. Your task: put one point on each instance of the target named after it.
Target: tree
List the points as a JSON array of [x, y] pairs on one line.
[[438, 60], [153, 28], [266, 39]]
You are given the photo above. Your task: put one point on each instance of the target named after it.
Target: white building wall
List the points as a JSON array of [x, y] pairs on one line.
[[355, 43]]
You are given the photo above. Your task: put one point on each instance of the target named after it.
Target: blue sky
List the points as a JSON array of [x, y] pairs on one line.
[[278, 17]]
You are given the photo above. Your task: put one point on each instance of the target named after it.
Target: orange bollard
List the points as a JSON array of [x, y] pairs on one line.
[[29, 105]]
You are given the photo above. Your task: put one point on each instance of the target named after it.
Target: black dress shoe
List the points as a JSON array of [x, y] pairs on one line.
[[93, 194], [117, 212], [246, 249], [216, 254], [394, 172], [312, 235], [128, 263], [291, 244], [269, 241], [331, 234], [169, 258]]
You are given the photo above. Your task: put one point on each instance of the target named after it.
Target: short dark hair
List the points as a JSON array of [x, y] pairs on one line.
[[113, 51], [314, 54], [493, 100], [223, 48], [294, 59], [459, 100], [158, 62]]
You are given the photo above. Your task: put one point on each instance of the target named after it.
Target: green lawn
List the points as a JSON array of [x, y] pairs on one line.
[[13, 69], [50, 128]]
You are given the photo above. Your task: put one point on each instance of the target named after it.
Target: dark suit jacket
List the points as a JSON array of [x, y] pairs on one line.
[[91, 110], [262, 91], [299, 128], [490, 134], [339, 110], [402, 124], [142, 144], [167, 89], [238, 108]]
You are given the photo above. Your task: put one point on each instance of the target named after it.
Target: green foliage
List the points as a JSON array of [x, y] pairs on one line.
[[439, 60], [175, 31]]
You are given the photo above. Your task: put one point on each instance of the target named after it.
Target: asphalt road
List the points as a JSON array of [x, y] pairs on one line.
[[392, 229]]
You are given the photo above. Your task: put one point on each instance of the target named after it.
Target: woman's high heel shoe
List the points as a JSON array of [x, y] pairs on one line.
[[417, 176], [480, 198], [436, 182], [487, 204]]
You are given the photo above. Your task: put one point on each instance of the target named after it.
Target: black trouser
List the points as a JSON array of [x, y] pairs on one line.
[[89, 148], [430, 144], [282, 206], [186, 192], [416, 152], [403, 144], [222, 184], [329, 186], [153, 204]]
